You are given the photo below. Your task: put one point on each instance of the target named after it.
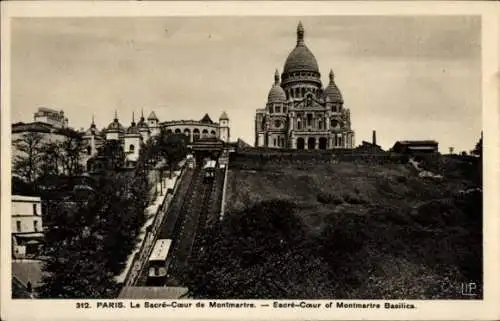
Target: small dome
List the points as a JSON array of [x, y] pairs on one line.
[[332, 92], [223, 116], [115, 126], [92, 131], [133, 129], [142, 124], [276, 94], [301, 58]]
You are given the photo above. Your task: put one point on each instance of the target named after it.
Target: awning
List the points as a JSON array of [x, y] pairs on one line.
[[30, 236], [33, 242]]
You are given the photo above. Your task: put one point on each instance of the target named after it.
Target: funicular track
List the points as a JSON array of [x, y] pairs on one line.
[[186, 228], [210, 214]]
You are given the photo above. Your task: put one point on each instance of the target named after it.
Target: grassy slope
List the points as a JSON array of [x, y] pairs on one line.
[[416, 239]]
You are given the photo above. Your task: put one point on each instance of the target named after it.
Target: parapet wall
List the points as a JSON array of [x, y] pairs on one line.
[[254, 159]]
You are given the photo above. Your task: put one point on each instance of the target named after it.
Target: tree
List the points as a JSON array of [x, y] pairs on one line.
[[478, 150], [260, 252], [72, 148], [89, 235], [28, 151], [113, 151], [173, 148]]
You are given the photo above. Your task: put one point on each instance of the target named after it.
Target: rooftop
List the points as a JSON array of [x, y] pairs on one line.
[[161, 249], [21, 198]]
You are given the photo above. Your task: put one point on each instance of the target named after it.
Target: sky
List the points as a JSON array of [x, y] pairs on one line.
[[407, 77]]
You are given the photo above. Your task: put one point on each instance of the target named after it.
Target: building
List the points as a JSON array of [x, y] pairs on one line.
[[300, 113], [29, 140], [370, 147], [200, 129], [52, 117], [26, 224], [131, 138], [415, 147]]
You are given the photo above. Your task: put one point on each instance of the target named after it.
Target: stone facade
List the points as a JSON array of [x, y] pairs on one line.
[[196, 129], [300, 113], [136, 134]]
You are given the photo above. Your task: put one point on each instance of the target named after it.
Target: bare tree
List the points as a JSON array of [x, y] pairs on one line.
[[72, 151], [26, 162]]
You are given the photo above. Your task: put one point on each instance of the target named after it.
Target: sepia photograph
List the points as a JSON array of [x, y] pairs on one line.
[[246, 157]]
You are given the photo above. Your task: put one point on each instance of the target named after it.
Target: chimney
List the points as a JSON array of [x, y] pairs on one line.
[[374, 138]]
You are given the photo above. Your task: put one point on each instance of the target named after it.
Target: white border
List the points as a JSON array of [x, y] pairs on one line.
[[435, 310]]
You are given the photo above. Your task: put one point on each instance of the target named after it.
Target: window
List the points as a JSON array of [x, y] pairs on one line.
[[271, 109], [18, 226], [277, 123], [309, 100], [131, 147], [34, 210], [309, 120], [274, 142], [278, 109], [89, 150], [320, 124], [284, 109], [298, 124], [35, 225]]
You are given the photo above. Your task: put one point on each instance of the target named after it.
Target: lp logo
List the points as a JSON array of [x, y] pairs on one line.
[[469, 289]]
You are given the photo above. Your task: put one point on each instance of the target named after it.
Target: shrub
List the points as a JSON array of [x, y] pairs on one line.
[[329, 198]]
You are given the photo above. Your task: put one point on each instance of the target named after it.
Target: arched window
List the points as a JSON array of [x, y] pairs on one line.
[[297, 92], [299, 125], [300, 143], [320, 124], [204, 133], [177, 131], [212, 133], [309, 120], [131, 147], [311, 143], [323, 143], [169, 132], [196, 134]]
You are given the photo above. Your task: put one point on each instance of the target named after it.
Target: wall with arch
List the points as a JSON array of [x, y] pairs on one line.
[[194, 131]]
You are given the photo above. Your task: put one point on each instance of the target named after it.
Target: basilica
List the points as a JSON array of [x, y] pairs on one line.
[[300, 113]]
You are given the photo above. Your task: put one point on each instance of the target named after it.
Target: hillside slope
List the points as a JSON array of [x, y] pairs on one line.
[[355, 230]]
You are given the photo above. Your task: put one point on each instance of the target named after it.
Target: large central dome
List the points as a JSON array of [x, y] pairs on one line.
[[301, 58]]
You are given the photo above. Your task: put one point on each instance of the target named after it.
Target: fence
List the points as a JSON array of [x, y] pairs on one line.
[[224, 187]]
